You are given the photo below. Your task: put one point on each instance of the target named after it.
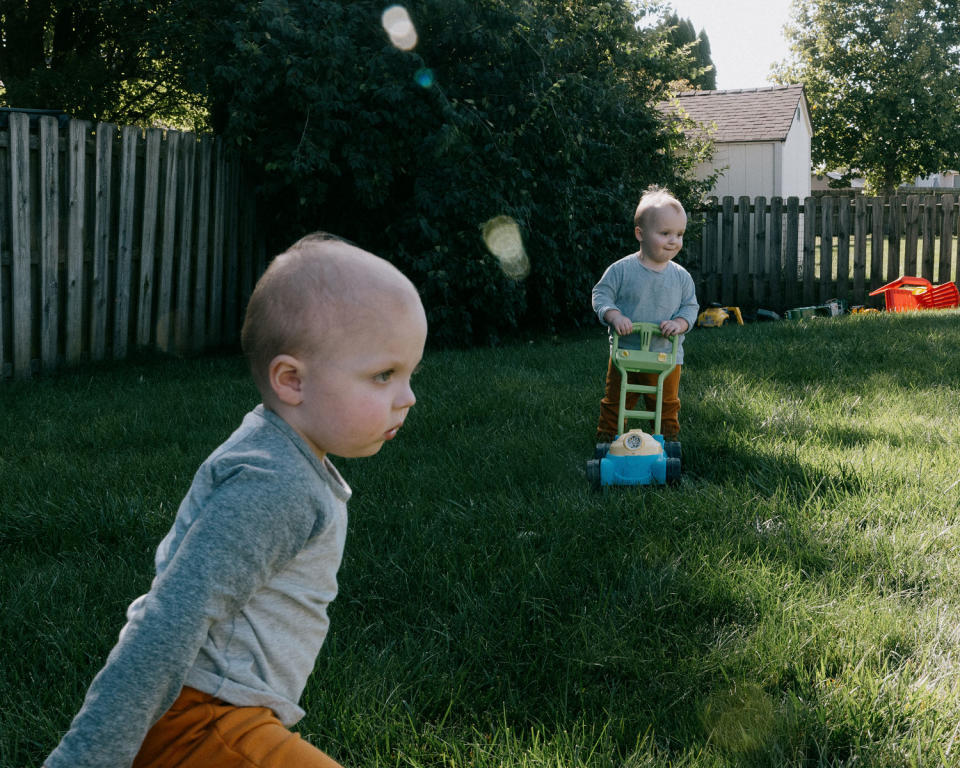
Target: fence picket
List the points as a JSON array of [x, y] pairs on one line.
[[876, 246], [188, 146], [110, 235], [148, 237], [49, 240], [773, 254], [929, 235], [946, 240], [20, 291], [809, 247], [727, 253], [126, 217], [791, 265], [76, 237], [843, 248], [911, 225], [101, 239], [826, 248], [762, 270], [203, 233]]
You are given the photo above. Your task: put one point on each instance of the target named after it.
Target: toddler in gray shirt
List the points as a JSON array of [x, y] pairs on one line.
[[210, 666]]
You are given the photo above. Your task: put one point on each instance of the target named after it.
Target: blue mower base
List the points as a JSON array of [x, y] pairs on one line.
[[635, 458]]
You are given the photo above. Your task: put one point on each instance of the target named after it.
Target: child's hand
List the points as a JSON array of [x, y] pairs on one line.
[[622, 324], [672, 327]]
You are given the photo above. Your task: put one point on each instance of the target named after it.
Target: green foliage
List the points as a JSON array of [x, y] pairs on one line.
[[702, 73], [535, 110], [111, 60], [883, 81]]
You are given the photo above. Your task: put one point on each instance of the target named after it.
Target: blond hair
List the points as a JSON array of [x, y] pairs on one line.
[[655, 197]]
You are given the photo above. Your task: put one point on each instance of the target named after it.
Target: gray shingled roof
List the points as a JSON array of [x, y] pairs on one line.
[[749, 114]]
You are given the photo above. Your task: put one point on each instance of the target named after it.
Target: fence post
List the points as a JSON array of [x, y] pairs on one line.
[[775, 254], [761, 272], [843, 248], [168, 243], [101, 241], [188, 147], [859, 249], [912, 225], [49, 240], [894, 270], [946, 240], [148, 237], [727, 252], [21, 294], [826, 248], [791, 267], [876, 244], [76, 237], [929, 235], [711, 258], [128, 188], [742, 268], [200, 292], [809, 247]]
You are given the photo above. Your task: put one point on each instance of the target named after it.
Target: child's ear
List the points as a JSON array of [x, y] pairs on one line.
[[286, 379], [638, 233]]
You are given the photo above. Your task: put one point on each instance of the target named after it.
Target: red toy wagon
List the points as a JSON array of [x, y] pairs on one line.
[[918, 293]]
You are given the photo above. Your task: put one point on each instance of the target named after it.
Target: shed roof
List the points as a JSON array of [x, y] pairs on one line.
[[748, 114]]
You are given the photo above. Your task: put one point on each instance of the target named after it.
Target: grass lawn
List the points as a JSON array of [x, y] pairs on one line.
[[795, 602]]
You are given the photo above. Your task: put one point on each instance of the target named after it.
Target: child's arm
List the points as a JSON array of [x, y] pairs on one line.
[[243, 533]]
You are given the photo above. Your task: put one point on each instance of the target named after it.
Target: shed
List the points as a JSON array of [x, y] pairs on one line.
[[761, 138]]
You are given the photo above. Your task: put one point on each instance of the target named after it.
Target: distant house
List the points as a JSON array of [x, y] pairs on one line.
[[761, 138]]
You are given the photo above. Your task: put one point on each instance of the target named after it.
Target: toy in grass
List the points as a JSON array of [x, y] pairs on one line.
[[635, 457], [917, 293]]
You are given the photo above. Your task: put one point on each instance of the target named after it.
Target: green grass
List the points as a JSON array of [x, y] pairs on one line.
[[795, 602]]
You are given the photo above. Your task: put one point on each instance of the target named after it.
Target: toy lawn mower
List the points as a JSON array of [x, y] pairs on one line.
[[635, 457]]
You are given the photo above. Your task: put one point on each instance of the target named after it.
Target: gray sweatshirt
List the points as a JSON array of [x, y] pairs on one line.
[[646, 296], [238, 607]]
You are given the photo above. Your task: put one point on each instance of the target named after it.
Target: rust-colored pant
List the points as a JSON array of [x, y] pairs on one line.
[[610, 404], [201, 731]]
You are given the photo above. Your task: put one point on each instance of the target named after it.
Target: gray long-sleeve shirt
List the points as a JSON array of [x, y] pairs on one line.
[[238, 606], [646, 296]]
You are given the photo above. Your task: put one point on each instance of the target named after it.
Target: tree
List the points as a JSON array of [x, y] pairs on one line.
[[700, 71], [883, 81], [99, 59], [533, 109]]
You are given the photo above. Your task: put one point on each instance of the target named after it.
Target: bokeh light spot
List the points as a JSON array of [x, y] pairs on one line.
[[423, 77], [399, 27], [501, 235]]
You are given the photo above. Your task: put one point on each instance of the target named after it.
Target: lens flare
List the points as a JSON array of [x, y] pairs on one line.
[[399, 27], [423, 77], [501, 234]]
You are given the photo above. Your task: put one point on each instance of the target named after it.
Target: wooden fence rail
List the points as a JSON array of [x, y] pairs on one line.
[[113, 239], [779, 254]]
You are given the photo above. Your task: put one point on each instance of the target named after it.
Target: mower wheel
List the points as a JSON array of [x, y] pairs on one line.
[[672, 449], [593, 473], [601, 450], [673, 471]]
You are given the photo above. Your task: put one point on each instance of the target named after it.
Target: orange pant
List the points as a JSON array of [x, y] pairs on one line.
[[610, 404], [199, 730]]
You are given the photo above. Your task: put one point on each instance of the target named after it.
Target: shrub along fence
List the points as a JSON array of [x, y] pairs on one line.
[[113, 239], [779, 254]]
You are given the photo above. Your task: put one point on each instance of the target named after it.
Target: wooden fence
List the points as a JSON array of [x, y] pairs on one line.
[[779, 254], [113, 239]]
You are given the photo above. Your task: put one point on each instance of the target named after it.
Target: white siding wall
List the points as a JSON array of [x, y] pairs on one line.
[[749, 168], [796, 159]]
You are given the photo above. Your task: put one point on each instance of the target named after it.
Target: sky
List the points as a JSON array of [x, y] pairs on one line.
[[746, 37]]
